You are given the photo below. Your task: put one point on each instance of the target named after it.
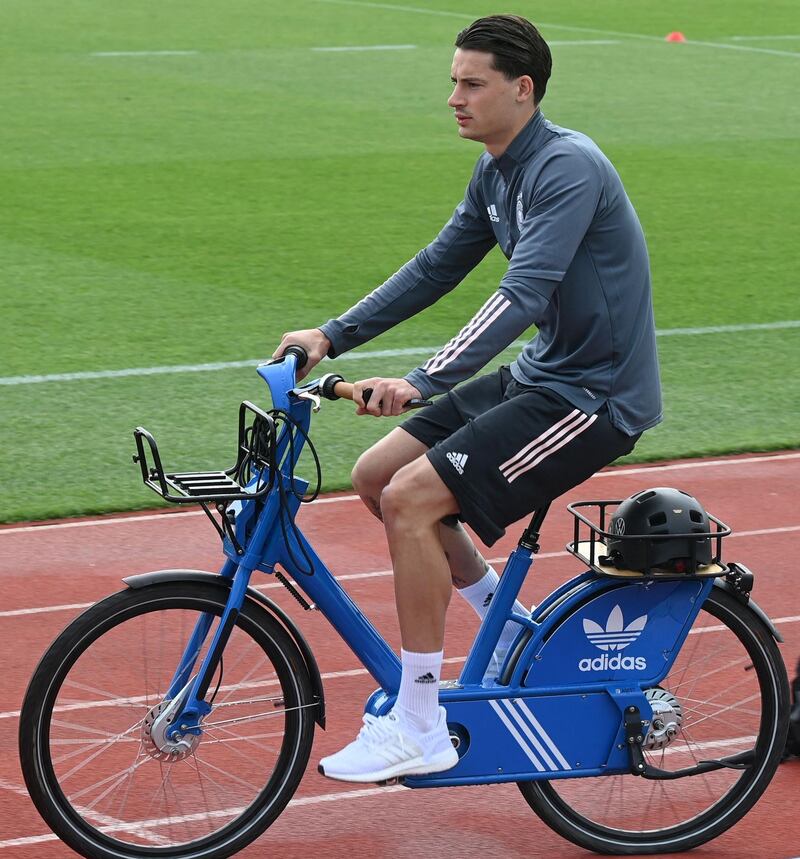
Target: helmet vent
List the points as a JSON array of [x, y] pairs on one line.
[[657, 519], [696, 516], [643, 496]]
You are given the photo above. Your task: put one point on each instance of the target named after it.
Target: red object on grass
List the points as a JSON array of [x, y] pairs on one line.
[[676, 36]]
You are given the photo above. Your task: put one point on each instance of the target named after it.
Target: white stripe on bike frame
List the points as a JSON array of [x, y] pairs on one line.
[[551, 765], [502, 307], [516, 735], [542, 733], [509, 464], [476, 320], [552, 449]]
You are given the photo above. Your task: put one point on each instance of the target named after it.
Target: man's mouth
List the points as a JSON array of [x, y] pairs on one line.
[[462, 118]]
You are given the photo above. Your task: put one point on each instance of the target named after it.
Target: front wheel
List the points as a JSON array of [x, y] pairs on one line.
[[93, 765], [727, 692]]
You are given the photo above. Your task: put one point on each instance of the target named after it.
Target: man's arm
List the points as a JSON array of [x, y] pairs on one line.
[[462, 243], [567, 195]]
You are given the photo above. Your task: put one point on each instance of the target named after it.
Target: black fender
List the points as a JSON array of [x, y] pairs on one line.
[[157, 576], [757, 610]]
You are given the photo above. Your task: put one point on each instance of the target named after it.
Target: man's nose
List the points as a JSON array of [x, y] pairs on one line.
[[456, 98]]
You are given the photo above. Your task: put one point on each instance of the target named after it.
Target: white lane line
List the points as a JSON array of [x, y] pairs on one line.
[[143, 53], [137, 700], [373, 574], [621, 471], [302, 801], [147, 517], [346, 795], [85, 375], [680, 466], [367, 48], [545, 25]]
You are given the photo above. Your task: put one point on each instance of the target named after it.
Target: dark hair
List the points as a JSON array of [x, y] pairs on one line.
[[516, 45]]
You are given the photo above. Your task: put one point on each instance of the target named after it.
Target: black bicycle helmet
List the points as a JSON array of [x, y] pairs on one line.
[[666, 519]]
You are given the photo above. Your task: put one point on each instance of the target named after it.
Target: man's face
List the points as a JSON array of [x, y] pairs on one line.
[[487, 105]]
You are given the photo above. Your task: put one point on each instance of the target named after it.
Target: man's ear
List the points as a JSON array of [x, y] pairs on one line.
[[525, 88]]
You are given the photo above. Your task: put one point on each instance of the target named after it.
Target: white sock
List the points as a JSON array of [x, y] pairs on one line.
[[418, 700], [479, 596]]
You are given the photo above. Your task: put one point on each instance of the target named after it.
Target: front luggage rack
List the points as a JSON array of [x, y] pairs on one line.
[[590, 548], [252, 476]]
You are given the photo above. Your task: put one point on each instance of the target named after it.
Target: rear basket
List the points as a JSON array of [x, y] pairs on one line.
[[589, 545], [251, 477]]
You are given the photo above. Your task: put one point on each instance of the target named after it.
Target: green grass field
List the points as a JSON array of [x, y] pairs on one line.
[[180, 209]]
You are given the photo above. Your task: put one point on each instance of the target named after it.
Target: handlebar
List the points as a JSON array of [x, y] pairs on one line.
[[333, 387]]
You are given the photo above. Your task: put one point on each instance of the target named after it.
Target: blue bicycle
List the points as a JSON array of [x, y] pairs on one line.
[[638, 712]]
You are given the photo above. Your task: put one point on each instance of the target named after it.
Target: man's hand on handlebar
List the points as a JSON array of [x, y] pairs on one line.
[[388, 396], [312, 340]]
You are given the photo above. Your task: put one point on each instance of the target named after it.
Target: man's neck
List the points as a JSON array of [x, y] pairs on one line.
[[497, 148]]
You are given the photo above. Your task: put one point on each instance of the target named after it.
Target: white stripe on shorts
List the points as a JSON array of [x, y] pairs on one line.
[[546, 444], [493, 308], [574, 415]]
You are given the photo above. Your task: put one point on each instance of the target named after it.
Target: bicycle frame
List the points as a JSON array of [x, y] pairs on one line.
[[560, 666]]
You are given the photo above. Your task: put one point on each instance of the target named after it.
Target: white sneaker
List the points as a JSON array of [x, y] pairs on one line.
[[385, 748]]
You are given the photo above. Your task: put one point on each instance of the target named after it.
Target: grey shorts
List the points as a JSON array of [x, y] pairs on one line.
[[505, 449]]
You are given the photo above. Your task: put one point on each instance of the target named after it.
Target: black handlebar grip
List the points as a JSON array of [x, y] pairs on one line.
[[299, 353], [411, 404]]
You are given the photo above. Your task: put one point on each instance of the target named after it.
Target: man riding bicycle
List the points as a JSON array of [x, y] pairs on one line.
[[577, 397]]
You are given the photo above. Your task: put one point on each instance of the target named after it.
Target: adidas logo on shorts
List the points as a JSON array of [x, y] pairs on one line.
[[458, 461]]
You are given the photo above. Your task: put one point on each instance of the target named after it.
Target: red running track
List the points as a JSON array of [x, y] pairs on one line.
[[48, 572]]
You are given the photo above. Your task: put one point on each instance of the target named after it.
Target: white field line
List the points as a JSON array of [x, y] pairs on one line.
[[366, 48], [765, 38], [345, 795], [353, 356], [373, 574], [144, 53], [465, 16], [611, 472]]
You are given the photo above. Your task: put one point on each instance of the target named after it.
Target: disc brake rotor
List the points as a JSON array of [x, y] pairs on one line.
[[666, 721], [154, 737]]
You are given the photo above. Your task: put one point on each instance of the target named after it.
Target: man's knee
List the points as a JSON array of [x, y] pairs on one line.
[[416, 497]]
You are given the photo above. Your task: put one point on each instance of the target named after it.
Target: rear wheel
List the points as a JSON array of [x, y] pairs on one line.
[[726, 693], [93, 759]]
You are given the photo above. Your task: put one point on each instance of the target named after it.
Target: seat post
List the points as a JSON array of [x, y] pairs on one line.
[[530, 536]]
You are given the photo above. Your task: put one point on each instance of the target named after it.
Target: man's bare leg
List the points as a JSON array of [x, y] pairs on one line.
[[372, 474], [412, 506]]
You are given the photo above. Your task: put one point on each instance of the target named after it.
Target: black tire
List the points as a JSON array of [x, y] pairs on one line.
[[597, 813], [178, 816]]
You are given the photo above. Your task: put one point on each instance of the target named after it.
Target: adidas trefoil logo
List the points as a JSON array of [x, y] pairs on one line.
[[458, 461], [493, 216], [616, 636], [426, 678]]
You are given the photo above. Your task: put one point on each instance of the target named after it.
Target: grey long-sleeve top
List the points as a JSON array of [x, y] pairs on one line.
[[578, 270]]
